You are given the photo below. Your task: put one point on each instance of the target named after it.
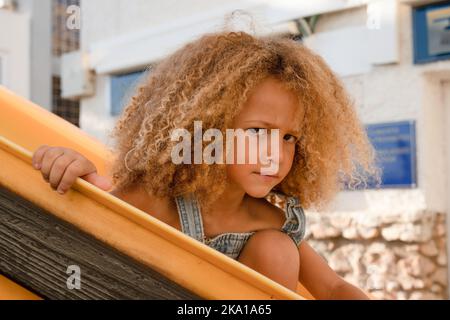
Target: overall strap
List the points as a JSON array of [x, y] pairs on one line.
[[190, 220], [295, 220]]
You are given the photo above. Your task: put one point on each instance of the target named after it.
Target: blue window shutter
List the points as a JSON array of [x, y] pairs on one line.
[[122, 87], [420, 33]]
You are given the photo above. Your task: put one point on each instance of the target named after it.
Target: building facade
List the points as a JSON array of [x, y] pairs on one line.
[[393, 57]]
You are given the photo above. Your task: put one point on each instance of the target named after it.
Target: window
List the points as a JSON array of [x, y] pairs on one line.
[[431, 27], [122, 87], [66, 109], [64, 39]]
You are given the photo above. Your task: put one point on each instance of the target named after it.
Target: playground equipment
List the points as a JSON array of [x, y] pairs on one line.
[[120, 251]]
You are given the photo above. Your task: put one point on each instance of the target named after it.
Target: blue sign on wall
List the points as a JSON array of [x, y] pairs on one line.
[[395, 145]]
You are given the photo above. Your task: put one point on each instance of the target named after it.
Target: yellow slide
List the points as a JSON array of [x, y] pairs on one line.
[[183, 260]]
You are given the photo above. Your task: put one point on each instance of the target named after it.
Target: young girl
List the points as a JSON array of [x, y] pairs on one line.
[[233, 80]]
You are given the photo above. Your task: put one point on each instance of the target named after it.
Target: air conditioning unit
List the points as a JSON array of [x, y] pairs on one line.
[[77, 80]]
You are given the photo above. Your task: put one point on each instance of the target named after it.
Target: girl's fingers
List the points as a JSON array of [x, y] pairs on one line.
[[48, 160], [57, 171], [99, 181], [71, 173], [61, 167], [38, 156]]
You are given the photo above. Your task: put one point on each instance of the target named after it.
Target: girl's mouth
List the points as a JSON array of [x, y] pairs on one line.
[[266, 177]]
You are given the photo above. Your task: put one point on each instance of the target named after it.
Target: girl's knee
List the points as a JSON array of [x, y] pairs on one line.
[[274, 244], [272, 252]]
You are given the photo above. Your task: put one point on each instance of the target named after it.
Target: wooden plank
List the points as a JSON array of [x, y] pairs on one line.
[[37, 248]]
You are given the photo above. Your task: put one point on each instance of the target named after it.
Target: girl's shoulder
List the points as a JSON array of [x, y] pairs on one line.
[[267, 213]]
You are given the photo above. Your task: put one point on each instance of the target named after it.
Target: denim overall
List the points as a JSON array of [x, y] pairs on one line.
[[231, 243]]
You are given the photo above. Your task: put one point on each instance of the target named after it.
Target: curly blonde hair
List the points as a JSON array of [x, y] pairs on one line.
[[209, 80]]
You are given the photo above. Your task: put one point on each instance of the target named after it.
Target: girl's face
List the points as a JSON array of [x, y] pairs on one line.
[[270, 106]]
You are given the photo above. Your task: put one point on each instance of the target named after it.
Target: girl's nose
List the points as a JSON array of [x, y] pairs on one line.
[[279, 153], [275, 150]]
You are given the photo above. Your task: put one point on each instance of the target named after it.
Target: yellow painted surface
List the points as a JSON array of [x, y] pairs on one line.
[[30, 126], [186, 261], [12, 291]]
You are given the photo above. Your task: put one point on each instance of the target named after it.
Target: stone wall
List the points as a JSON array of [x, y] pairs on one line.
[[395, 255], [392, 256]]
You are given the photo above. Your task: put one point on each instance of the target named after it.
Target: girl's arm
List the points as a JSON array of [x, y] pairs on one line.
[[347, 291], [322, 281]]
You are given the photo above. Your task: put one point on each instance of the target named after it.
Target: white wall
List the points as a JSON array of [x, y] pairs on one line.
[[124, 16], [40, 12], [15, 51], [391, 89], [404, 91], [368, 34], [110, 25]]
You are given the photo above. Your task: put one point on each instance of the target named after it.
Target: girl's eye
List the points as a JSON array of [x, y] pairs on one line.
[[255, 131], [290, 138]]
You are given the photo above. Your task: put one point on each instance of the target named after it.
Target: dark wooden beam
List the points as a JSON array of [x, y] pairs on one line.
[[36, 248]]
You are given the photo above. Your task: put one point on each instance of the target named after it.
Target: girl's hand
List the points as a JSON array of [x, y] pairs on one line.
[[62, 166]]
